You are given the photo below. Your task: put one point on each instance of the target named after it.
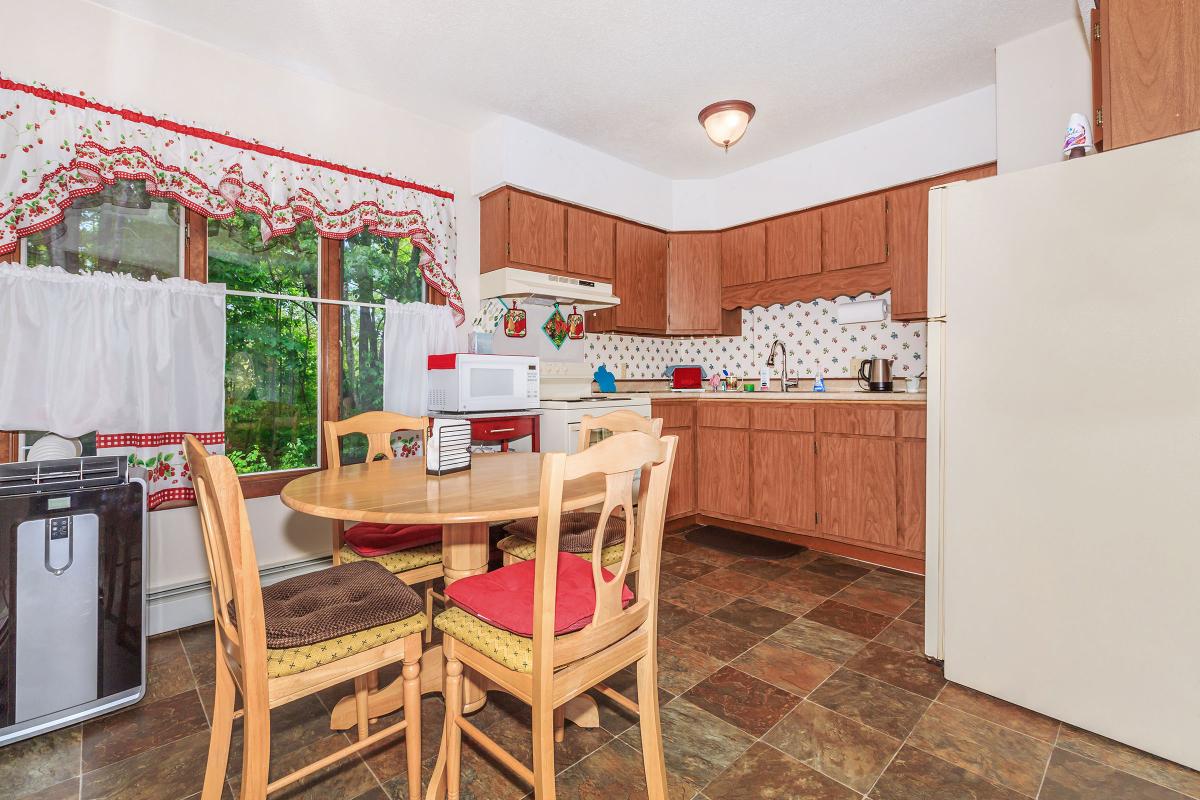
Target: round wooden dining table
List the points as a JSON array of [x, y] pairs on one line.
[[497, 487]]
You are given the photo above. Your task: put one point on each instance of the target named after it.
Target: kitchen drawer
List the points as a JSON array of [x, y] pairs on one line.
[[502, 429], [782, 417], [858, 421], [723, 415], [910, 423], [674, 415]]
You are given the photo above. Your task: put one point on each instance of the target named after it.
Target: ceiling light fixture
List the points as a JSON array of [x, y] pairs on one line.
[[726, 122]]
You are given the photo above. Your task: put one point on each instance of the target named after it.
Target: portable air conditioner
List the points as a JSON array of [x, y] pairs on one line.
[[72, 600]]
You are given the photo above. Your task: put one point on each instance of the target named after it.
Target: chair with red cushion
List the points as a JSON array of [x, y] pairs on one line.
[[578, 529], [413, 553], [549, 629]]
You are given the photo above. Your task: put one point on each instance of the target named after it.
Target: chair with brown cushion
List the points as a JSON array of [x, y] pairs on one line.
[[548, 630], [294, 638], [421, 563], [578, 528]]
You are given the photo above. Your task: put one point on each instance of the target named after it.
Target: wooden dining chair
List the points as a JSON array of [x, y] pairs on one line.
[[294, 638], [421, 563], [578, 528], [548, 630]]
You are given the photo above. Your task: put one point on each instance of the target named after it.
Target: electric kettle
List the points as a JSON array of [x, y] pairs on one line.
[[875, 374]]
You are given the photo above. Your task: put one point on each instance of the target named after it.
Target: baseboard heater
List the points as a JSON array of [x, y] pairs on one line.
[[183, 605]]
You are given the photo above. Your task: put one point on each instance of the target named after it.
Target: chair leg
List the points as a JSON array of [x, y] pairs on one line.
[[429, 612], [412, 715], [543, 749], [651, 728], [452, 690], [256, 746], [222, 728], [362, 687], [560, 723]]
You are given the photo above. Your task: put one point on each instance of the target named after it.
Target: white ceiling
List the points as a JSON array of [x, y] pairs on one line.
[[629, 77]]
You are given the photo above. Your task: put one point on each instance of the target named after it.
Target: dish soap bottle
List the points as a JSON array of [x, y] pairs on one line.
[[819, 381], [764, 379]]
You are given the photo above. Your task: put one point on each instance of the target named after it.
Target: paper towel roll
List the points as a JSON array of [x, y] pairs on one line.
[[855, 312]]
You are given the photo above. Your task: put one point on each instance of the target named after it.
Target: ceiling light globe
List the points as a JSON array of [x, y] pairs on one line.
[[726, 122]]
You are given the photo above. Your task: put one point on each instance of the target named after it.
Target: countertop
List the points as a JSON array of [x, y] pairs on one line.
[[795, 397]]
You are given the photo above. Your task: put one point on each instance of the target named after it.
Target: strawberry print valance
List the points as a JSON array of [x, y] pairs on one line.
[[56, 146]]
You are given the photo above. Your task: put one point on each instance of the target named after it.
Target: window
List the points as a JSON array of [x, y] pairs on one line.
[[374, 268], [121, 228], [271, 344], [275, 353]]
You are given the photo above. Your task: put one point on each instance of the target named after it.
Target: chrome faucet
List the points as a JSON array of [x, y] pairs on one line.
[[783, 377]]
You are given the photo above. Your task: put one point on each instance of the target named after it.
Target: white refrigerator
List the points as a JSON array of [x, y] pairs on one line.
[[1063, 468]]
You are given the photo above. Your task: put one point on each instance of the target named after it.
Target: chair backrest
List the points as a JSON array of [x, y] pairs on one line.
[[620, 421], [378, 426], [232, 564], [619, 458]]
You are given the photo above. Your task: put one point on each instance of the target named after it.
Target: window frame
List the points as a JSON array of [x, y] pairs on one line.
[[194, 266]]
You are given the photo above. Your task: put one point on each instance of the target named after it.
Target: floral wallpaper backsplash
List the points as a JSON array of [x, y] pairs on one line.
[[811, 332], [814, 338]]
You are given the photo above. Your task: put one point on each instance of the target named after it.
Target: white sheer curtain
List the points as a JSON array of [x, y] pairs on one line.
[[411, 333], [139, 362]]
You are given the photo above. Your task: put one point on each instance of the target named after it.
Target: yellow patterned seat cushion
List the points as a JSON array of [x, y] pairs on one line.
[[402, 561], [504, 647], [301, 659], [525, 550]]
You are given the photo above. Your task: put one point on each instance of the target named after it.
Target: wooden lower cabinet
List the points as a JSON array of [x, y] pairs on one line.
[[857, 488], [859, 479], [723, 471], [681, 500], [782, 485], [910, 495]]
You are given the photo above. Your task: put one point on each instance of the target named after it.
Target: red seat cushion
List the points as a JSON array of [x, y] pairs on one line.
[[504, 597], [376, 539]]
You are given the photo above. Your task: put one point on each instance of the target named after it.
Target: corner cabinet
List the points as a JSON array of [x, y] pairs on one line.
[[693, 283]]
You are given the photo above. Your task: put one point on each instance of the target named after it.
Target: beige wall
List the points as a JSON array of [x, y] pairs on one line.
[[1040, 80]]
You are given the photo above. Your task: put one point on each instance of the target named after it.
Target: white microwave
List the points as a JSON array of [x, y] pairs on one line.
[[467, 382]]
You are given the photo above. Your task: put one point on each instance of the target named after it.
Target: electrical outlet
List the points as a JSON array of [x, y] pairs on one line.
[[854, 362]]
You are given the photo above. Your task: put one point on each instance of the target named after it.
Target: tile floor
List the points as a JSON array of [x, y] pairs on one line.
[[795, 677]]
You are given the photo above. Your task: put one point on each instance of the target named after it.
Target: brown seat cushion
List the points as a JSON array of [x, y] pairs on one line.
[[334, 602], [576, 532]]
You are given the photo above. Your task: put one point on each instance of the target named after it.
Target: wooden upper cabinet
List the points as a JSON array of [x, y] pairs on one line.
[[537, 231], [744, 254], [854, 233], [523, 231], [909, 237], [908, 241], [794, 245], [590, 244], [694, 283], [1149, 70], [641, 278]]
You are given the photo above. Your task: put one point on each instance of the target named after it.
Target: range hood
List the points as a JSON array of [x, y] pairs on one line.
[[539, 288]]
